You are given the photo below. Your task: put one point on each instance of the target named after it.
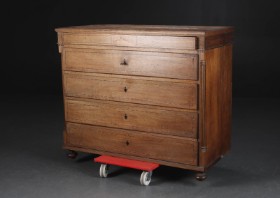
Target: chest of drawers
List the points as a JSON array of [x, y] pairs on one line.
[[153, 93]]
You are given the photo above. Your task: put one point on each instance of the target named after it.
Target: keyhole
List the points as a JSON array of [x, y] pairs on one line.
[[125, 116], [125, 89], [127, 143], [124, 62]]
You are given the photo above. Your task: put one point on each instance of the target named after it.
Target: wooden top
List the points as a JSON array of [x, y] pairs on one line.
[[149, 29]]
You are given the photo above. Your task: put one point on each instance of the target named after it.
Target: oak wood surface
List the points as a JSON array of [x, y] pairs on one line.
[[132, 116], [131, 40], [206, 37], [131, 48], [218, 40], [153, 29], [133, 143], [226, 99], [165, 86], [162, 162], [110, 87], [180, 66], [218, 104]]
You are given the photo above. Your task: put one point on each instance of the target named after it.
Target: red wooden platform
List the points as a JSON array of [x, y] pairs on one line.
[[135, 164]]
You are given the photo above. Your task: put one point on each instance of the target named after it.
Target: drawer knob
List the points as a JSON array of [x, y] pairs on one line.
[[125, 89], [124, 62], [125, 116], [127, 143]]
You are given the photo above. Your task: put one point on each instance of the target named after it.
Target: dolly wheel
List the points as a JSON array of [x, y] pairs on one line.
[[103, 171], [145, 178]]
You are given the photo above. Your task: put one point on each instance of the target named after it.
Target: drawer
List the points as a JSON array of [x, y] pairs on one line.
[[127, 89], [168, 42], [180, 66], [153, 146], [177, 122]]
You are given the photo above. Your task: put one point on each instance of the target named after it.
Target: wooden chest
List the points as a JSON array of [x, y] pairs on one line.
[[153, 93]]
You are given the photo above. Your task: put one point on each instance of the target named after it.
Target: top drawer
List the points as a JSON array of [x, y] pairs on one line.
[[167, 65], [168, 42]]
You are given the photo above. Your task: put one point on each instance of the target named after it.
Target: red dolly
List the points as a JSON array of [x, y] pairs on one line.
[[146, 167]]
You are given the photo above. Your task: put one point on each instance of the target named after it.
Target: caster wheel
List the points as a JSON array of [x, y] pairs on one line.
[[201, 176], [72, 154], [103, 171], [145, 178]]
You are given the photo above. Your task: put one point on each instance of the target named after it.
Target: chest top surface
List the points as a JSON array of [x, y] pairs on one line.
[[149, 29], [195, 37]]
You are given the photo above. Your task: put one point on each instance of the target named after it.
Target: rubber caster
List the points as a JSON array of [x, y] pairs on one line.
[[72, 154], [103, 171], [145, 178], [200, 176]]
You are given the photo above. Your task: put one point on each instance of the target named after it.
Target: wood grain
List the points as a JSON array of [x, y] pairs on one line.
[[161, 162], [153, 93], [166, 30], [132, 48], [218, 40], [218, 104], [131, 116], [111, 87], [226, 99], [180, 66], [131, 41], [181, 37], [133, 143]]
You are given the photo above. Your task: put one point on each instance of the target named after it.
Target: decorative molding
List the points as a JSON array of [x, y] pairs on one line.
[[203, 137]]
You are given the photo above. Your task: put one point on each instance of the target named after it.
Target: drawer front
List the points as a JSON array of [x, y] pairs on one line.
[[180, 66], [153, 146], [171, 94], [132, 116], [168, 42]]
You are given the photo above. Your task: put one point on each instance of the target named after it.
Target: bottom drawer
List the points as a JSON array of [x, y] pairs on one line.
[[134, 143]]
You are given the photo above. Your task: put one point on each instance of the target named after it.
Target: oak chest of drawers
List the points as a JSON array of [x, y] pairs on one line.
[[153, 93]]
